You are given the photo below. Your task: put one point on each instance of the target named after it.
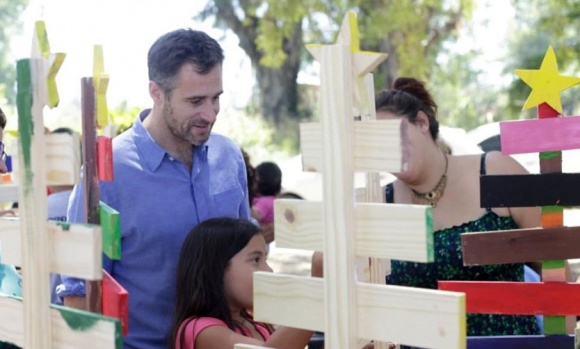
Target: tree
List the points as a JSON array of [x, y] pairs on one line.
[[273, 33], [10, 11]]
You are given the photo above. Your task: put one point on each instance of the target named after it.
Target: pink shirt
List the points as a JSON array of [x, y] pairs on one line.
[[265, 206], [194, 327]]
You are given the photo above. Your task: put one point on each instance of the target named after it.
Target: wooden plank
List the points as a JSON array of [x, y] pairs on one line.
[[521, 342], [73, 250], [540, 135], [386, 313], [62, 159], [90, 177], [529, 190], [71, 328], [8, 192], [520, 245], [396, 231], [115, 301], [525, 298], [111, 228], [105, 158], [31, 97], [377, 146]]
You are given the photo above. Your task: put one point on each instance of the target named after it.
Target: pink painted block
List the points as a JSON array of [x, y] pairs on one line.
[[540, 135]]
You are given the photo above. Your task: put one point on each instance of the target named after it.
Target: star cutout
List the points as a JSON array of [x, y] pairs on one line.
[[546, 83], [363, 62], [48, 68], [101, 83]]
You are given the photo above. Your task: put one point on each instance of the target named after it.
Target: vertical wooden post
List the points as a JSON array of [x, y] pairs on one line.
[[90, 177]]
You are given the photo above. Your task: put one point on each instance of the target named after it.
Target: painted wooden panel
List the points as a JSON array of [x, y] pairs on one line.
[[115, 301], [71, 328], [540, 135], [111, 227], [521, 245], [387, 313], [532, 298], [105, 158], [377, 146], [530, 190], [521, 342], [403, 232]]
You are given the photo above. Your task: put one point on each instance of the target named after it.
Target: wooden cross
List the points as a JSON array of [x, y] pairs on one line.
[[349, 312], [553, 243], [30, 321]]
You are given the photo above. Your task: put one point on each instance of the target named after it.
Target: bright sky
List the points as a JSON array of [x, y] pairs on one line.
[[126, 29]]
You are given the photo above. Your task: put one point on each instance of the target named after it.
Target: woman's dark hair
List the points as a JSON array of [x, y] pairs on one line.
[[407, 98], [250, 174], [2, 119], [205, 256], [269, 179]]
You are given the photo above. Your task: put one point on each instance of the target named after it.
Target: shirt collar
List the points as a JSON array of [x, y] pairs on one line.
[[153, 153]]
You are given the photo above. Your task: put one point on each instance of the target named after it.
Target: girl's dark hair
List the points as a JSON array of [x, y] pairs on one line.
[[205, 256], [269, 179], [407, 98], [250, 174]]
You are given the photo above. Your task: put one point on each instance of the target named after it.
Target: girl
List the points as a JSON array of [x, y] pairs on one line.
[[215, 291]]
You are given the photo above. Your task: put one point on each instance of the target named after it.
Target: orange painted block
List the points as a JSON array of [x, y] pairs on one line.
[[115, 301]]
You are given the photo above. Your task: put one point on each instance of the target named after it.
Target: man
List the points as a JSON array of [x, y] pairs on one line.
[[171, 173]]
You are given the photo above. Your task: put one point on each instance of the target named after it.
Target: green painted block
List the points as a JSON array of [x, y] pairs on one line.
[[111, 230], [554, 264], [552, 209], [430, 238], [554, 325]]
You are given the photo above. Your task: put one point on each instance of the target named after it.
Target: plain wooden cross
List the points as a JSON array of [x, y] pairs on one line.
[[30, 321], [553, 243], [349, 312]]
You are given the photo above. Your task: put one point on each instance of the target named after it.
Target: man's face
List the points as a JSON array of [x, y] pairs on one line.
[[193, 104]]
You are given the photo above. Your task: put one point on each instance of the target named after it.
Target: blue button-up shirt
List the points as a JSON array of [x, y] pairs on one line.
[[159, 203]]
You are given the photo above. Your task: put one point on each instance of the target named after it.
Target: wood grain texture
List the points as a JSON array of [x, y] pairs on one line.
[[396, 231], [70, 328], [540, 135], [386, 313], [73, 250], [520, 245], [520, 298], [530, 190], [377, 146]]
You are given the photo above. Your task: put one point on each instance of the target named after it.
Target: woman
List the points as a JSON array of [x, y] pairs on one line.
[[450, 184]]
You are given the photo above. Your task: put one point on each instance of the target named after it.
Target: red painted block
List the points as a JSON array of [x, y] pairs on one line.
[[518, 298], [115, 301], [105, 158], [540, 135]]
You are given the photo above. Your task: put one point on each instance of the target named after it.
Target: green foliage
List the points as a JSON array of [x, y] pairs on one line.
[[124, 115], [10, 11]]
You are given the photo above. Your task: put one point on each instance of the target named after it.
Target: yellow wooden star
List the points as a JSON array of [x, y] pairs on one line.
[[101, 83], [546, 83], [363, 62], [50, 66]]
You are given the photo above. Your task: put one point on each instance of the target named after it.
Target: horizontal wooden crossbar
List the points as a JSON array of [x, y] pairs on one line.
[[530, 190], [521, 342], [377, 146], [402, 232], [518, 298], [75, 249], [520, 245], [71, 328], [385, 313], [540, 135]]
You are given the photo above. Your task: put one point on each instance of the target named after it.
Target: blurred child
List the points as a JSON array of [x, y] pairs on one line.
[[215, 289], [268, 181]]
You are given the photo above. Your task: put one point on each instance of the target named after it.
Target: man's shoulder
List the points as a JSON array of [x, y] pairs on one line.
[[219, 140]]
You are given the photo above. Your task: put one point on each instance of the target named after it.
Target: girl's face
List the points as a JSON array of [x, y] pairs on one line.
[[238, 278]]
